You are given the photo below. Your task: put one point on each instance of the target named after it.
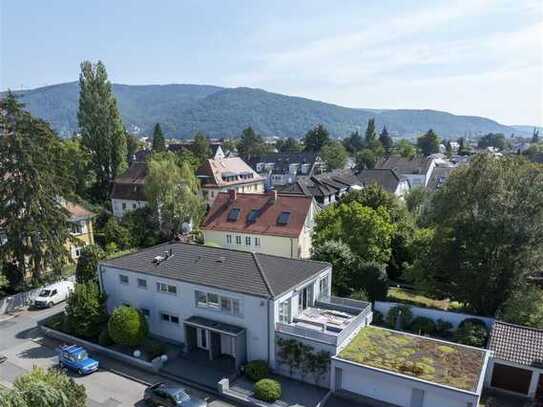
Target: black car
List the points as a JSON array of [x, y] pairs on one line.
[[170, 395]]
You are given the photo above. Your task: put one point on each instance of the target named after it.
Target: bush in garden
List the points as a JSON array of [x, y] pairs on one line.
[[268, 390], [87, 263], [85, 311], [104, 339], [423, 326], [473, 321], [127, 326], [257, 370], [378, 318], [153, 349], [443, 328], [399, 310], [471, 333]]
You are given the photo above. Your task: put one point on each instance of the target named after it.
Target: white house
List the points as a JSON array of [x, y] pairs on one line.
[[128, 189], [269, 223], [285, 168], [417, 170], [388, 179]]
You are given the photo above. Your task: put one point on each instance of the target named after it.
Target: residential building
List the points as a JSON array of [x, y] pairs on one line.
[[440, 174], [269, 223], [285, 168], [228, 173], [388, 179], [81, 228], [516, 366], [128, 189], [417, 170]]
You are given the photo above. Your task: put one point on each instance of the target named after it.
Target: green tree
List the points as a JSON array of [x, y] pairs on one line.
[[116, 233], [463, 147], [496, 140], [489, 232], [289, 145], [251, 144], [87, 264], [78, 167], [386, 141], [41, 388], [341, 257], [365, 159], [415, 199], [353, 143], [406, 149], [535, 136], [372, 279], [159, 141], [86, 310], [371, 133], [173, 193], [334, 155], [316, 138], [143, 228], [127, 326], [448, 149], [368, 232], [428, 143], [32, 170], [102, 131], [524, 307], [200, 147], [132, 146]]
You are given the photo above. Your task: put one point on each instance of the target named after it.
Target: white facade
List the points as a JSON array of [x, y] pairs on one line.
[[210, 193], [256, 314], [122, 206], [537, 374], [398, 389]]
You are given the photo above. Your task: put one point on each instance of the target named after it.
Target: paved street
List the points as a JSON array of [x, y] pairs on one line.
[[114, 385]]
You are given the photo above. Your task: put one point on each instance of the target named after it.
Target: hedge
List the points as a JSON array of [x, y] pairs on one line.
[[268, 390]]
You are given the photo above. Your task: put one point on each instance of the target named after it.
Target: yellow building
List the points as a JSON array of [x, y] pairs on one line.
[[81, 228]]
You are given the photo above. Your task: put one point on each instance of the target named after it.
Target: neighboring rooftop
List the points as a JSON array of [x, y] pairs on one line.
[[259, 213], [517, 344], [130, 184], [226, 171], [323, 185], [387, 178], [77, 212], [403, 165], [239, 271], [438, 177], [281, 162], [428, 359]]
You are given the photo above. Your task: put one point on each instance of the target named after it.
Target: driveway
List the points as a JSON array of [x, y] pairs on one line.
[[113, 385]]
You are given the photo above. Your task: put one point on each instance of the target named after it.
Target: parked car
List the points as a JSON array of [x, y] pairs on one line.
[[53, 294], [76, 358], [170, 395]]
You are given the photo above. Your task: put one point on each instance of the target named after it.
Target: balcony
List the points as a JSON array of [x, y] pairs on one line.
[[330, 321]]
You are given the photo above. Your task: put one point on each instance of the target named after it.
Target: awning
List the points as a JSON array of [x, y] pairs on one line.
[[215, 326]]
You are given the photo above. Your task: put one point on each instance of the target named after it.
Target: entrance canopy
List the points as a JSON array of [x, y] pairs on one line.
[[214, 326]]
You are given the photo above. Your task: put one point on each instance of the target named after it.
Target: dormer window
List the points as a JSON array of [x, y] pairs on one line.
[[233, 215], [283, 218], [253, 215]]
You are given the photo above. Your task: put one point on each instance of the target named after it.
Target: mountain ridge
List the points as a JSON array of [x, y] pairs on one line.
[[183, 109]]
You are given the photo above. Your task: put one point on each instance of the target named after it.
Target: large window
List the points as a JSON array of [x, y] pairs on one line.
[[172, 319], [247, 240], [228, 239], [123, 279], [323, 287], [238, 239], [218, 302], [142, 283], [166, 288], [284, 311]]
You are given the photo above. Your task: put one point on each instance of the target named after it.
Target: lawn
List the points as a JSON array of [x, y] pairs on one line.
[[427, 359], [411, 297]]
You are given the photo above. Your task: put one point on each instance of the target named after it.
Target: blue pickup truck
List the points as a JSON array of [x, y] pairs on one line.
[[76, 358]]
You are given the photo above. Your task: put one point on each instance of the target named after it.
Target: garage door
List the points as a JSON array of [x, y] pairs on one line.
[[511, 378]]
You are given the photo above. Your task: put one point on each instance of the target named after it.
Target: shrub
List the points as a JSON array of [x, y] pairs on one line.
[[85, 311], [127, 326], [395, 312], [257, 370], [443, 328], [375, 280], [153, 349], [87, 263], [378, 318], [423, 326], [473, 321], [267, 390], [471, 333], [104, 339]]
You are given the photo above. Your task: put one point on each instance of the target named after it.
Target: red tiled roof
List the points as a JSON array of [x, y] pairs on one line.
[[77, 211], [213, 170], [268, 210]]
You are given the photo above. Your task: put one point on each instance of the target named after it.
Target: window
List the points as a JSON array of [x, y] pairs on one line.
[[226, 304], [236, 307], [76, 228], [217, 302], [123, 279], [134, 206], [251, 218], [247, 240], [124, 206], [212, 194], [257, 242], [238, 239], [142, 283], [323, 287], [213, 300], [172, 319], [233, 215], [201, 299], [228, 239], [283, 218], [284, 311], [145, 312], [166, 288]]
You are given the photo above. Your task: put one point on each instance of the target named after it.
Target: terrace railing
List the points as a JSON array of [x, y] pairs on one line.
[[308, 333], [353, 326], [343, 304]]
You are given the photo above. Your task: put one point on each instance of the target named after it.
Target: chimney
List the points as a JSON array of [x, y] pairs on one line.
[[273, 196], [232, 195]]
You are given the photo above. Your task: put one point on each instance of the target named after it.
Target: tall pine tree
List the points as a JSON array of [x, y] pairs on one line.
[[371, 133], [32, 170], [102, 131], [159, 142], [386, 140]]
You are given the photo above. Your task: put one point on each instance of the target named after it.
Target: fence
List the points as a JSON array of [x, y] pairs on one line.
[[455, 318]]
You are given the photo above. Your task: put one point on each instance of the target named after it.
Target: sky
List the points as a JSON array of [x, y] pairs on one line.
[[473, 57]]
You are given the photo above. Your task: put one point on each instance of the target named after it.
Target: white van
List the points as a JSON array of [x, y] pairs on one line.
[[53, 294]]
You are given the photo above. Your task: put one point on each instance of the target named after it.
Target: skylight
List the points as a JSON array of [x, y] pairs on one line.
[[251, 218], [283, 218], [233, 215]]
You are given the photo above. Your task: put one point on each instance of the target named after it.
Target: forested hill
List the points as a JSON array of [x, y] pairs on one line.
[[184, 109]]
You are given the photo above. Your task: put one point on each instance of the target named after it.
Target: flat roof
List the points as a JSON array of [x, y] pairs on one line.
[[423, 358]]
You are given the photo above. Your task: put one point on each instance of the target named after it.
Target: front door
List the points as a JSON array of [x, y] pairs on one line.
[[201, 338]]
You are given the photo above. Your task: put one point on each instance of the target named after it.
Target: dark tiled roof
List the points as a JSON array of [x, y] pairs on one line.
[[322, 185], [415, 165], [265, 222], [282, 161], [516, 343], [439, 176], [130, 185], [244, 272], [386, 178]]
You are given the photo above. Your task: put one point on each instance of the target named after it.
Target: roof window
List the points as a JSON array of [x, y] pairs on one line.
[[233, 215], [283, 218]]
